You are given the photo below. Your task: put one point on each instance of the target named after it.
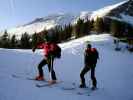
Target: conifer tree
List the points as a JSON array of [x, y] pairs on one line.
[[99, 25], [115, 28], [68, 31], [34, 38], [86, 27], [78, 29], [13, 42], [5, 40], [25, 41]]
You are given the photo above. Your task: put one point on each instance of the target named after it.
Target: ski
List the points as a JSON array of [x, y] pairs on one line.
[[72, 88], [86, 93], [20, 76], [39, 83], [47, 84], [27, 78], [83, 93]]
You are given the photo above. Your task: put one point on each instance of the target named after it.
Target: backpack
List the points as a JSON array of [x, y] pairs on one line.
[[91, 55], [56, 50]]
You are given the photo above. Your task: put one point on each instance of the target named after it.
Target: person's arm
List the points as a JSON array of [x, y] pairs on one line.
[[33, 49], [40, 45], [85, 56]]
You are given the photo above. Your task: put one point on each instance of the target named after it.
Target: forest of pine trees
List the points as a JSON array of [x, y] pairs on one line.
[[64, 33]]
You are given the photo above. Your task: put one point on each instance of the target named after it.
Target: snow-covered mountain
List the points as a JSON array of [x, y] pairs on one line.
[[124, 12], [40, 24], [104, 11], [126, 8], [53, 20]]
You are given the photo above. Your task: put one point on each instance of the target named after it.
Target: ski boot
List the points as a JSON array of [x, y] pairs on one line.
[[52, 82], [82, 86], [39, 78], [93, 88]]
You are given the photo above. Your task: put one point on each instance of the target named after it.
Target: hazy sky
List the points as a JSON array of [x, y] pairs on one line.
[[18, 12]]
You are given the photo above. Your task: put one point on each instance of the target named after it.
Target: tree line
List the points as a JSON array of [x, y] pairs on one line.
[[64, 33]]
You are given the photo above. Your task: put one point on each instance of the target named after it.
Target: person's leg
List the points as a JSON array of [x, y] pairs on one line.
[[83, 72], [40, 70], [93, 78], [51, 69]]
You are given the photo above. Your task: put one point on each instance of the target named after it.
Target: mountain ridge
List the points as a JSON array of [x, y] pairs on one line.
[[53, 20]]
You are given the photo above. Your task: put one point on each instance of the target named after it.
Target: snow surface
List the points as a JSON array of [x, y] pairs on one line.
[[114, 72]]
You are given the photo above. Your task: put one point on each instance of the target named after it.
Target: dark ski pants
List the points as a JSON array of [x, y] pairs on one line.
[[49, 63], [85, 70]]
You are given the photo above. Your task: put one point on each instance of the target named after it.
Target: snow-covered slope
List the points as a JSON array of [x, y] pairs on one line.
[[40, 24], [114, 72], [85, 15], [51, 21], [104, 11], [123, 18], [127, 18]]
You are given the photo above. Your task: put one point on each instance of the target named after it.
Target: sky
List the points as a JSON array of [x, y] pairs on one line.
[[18, 12]]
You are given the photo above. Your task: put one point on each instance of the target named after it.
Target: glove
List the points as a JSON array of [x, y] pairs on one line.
[[33, 49]]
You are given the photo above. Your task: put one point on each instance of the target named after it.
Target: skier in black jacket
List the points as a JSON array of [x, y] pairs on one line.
[[90, 59]]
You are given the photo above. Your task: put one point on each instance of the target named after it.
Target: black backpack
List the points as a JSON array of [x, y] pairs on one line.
[[57, 51], [91, 56]]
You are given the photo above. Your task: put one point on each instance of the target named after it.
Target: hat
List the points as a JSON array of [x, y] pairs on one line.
[[89, 45]]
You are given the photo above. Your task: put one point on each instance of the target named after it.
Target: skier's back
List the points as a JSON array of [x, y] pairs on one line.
[[90, 59]]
